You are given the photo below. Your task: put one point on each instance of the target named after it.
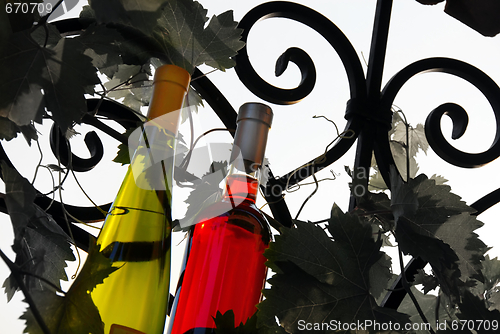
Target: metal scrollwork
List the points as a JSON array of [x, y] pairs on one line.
[[276, 95], [61, 149], [109, 109], [458, 115], [314, 20]]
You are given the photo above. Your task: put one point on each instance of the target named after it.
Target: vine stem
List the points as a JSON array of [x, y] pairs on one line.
[[406, 286], [407, 147], [16, 273]]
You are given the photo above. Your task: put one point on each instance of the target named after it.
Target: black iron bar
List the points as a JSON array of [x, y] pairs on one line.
[[376, 60]]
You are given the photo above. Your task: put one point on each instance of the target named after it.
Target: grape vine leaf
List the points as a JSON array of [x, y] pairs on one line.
[[102, 44], [62, 72], [331, 279], [428, 304], [429, 282], [418, 141], [50, 37], [188, 43], [8, 129], [174, 29], [193, 100], [489, 289], [130, 82], [76, 312], [136, 14], [403, 200], [398, 151], [19, 19], [123, 155], [206, 192], [380, 275], [41, 246], [474, 308], [377, 182], [441, 231], [397, 143], [491, 273], [225, 325], [5, 26], [376, 208]]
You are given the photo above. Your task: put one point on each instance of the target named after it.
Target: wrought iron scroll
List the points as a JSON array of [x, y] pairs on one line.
[[334, 36], [458, 115]]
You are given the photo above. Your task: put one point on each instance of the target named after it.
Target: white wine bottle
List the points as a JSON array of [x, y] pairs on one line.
[[136, 235]]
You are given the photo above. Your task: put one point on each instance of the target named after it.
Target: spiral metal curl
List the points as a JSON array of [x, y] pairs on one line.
[[457, 114], [264, 90]]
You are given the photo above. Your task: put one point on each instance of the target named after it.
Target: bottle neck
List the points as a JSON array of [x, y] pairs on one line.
[[253, 123], [241, 186]]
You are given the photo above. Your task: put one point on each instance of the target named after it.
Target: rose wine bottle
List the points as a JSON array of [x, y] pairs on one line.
[[224, 265], [136, 233]]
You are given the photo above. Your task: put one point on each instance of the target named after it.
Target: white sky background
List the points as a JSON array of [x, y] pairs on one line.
[[416, 32]]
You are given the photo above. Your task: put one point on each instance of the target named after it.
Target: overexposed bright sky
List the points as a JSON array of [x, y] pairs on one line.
[[416, 32]]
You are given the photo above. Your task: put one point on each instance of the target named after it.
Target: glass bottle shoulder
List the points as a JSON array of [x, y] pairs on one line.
[[245, 215]]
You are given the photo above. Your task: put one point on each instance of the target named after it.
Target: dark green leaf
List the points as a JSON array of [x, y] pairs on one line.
[[297, 298], [19, 19], [207, 191], [188, 43], [19, 198], [308, 246], [175, 29], [47, 35], [76, 312], [473, 308], [225, 325], [428, 281], [123, 155], [404, 201], [376, 208], [129, 25], [491, 272], [102, 44], [332, 277], [8, 129], [140, 15], [489, 287], [21, 98], [132, 84], [63, 73], [442, 232], [380, 275], [220, 41], [41, 246], [440, 180], [5, 27], [193, 100], [428, 304]]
